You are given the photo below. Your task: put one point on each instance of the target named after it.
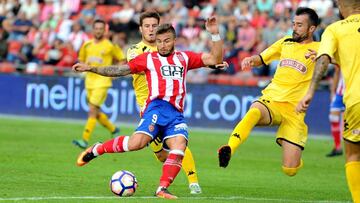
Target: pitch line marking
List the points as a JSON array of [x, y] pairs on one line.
[[152, 197]]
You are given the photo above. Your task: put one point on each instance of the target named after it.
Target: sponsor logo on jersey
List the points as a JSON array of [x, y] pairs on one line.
[[172, 71], [151, 127], [293, 64], [356, 132]]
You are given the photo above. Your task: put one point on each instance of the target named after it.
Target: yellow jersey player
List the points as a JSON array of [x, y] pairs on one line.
[[340, 41], [97, 52], [149, 22], [277, 104]]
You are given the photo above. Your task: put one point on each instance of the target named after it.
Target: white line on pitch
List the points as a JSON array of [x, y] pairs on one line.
[[185, 198]]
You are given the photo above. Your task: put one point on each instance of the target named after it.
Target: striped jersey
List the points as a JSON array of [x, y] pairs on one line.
[[166, 76]]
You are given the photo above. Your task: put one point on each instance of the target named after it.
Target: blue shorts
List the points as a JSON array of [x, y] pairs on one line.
[[162, 119], [337, 103]]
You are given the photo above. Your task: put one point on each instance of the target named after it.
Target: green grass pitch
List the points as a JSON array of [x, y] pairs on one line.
[[37, 164]]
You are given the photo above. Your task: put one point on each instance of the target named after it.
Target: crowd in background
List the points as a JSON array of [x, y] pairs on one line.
[[35, 33]]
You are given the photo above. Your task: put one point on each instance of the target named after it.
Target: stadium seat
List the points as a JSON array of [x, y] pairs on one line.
[[6, 67], [224, 79], [47, 70]]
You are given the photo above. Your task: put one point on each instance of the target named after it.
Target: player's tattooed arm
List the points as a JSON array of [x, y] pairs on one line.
[[112, 71], [320, 68]]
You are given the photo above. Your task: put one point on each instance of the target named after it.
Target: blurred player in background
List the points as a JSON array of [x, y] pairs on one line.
[[98, 52], [149, 21], [337, 107], [340, 41], [277, 104], [165, 72]]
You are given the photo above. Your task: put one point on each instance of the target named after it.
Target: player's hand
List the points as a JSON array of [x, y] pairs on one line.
[[311, 54], [211, 25], [247, 63], [303, 105], [222, 66], [80, 67]]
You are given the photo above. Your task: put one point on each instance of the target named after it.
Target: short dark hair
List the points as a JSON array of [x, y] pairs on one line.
[[314, 18], [99, 21], [149, 14], [164, 28]]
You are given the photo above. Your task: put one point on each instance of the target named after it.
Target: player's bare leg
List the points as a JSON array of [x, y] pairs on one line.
[[258, 114], [292, 161], [352, 168]]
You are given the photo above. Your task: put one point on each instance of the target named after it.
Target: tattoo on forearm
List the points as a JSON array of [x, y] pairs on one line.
[[112, 71], [320, 68]]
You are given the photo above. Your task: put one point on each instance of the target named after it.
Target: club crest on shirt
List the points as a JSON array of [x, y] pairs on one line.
[[172, 71], [151, 127], [293, 64]]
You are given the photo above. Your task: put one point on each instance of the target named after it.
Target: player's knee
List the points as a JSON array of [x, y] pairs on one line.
[[137, 142]]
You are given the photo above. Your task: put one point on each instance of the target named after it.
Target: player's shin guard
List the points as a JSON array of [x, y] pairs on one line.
[[188, 165], [292, 171], [104, 120], [171, 167], [353, 178], [243, 128], [116, 145], [89, 128]]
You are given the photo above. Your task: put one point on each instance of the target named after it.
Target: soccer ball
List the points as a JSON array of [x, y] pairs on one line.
[[123, 183]]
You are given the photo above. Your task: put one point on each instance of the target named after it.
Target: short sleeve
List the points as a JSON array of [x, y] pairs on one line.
[[138, 64], [118, 53], [195, 60], [132, 52], [273, 52], [328, 44]]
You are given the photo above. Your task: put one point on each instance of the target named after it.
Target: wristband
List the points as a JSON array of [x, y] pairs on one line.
[[215, 37]]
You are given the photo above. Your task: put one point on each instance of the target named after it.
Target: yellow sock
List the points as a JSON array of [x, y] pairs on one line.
[[243, 128], [353, 178], [188, 165], [292, 171], [104, 120], [89, 128]]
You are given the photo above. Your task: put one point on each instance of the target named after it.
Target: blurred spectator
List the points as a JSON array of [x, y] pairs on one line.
[[259, 19], [20, 27], [191, 29], [265, 5], [47, 10], [3, 44], [30, 8], [54, 53], [77, 36], [69, 55]]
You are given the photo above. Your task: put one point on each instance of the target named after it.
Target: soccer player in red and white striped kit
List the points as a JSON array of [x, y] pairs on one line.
[[165, 72]]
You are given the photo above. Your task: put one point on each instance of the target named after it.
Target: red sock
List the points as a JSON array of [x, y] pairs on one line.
[[116, 145], [335, 131], [171, 167]]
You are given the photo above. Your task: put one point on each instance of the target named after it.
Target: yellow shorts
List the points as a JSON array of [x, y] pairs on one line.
[[292, 127], [97, 96], [352, 123], [156, 145]]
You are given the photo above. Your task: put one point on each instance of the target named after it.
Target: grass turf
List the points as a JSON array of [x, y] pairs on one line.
[[38, 161]]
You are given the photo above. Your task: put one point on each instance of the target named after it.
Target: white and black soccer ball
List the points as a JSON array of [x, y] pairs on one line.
[[123, 183]]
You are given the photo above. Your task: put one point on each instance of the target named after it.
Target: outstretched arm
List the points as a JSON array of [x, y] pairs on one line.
[[321, 66], [109, 71], [216, 53]]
